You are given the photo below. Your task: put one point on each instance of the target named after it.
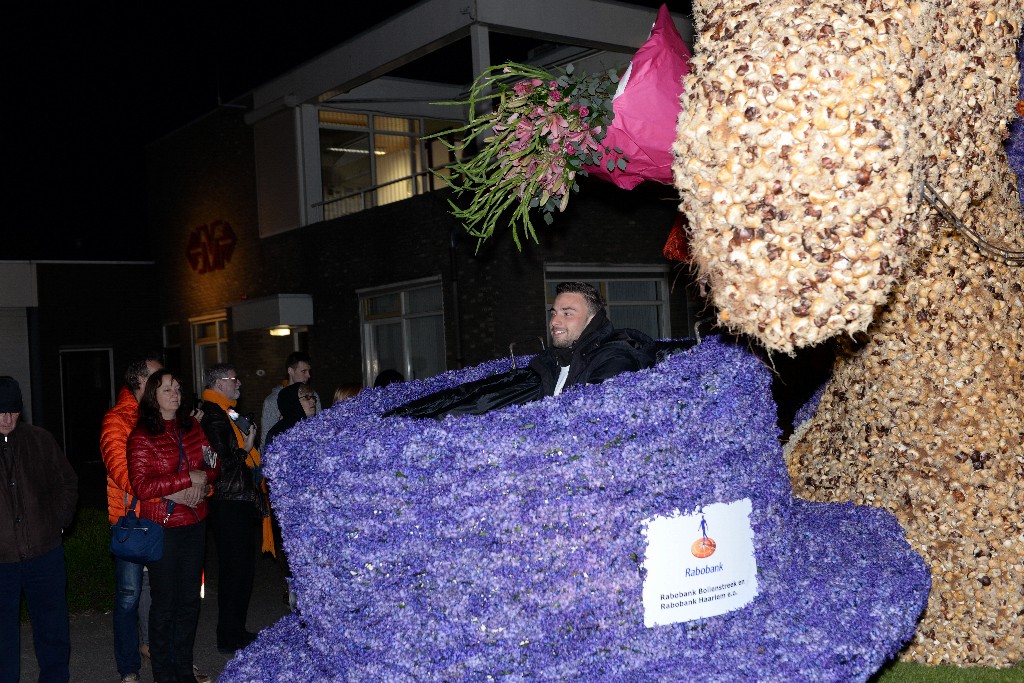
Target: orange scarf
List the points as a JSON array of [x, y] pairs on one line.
[[251, 460]]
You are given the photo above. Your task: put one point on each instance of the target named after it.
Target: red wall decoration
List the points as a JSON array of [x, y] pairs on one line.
[[210, 246]]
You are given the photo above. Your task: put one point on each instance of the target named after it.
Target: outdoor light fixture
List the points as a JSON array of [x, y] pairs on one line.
[[280, 331]]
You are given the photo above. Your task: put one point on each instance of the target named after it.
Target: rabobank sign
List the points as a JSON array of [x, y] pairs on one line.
[[699, 565]]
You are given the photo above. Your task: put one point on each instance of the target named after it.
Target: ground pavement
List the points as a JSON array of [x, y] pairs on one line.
[[92, 635]]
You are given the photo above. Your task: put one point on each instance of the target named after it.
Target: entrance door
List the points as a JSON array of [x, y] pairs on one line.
[[87, 392]]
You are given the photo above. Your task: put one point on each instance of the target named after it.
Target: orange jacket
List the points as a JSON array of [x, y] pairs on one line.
[[117, 425]]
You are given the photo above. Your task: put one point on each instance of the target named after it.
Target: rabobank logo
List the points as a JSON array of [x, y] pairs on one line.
[[704, 546]]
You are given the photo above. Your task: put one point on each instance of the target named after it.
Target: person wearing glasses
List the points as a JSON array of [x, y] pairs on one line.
[[299, 367], [237, 506], [296, 402]]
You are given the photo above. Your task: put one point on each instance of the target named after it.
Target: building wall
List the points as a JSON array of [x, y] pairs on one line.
[[90, 306], [493, 295]]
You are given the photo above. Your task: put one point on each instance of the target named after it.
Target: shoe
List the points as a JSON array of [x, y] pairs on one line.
[[200, 677], [130, 678], [243, 642]]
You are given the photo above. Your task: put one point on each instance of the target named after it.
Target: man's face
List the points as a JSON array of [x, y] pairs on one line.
[[229, 385], [300, 373], [151, 367], [8, 421], [569, 316]]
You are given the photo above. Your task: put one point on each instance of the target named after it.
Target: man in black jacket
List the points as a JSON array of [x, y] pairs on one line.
[[234, 511], [585, 347]]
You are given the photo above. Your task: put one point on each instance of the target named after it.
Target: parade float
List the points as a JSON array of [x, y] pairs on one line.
[[641, 529], [842, 173]]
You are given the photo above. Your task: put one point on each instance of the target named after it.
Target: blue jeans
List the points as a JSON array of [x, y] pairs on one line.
[[128, 576], [44, 581]]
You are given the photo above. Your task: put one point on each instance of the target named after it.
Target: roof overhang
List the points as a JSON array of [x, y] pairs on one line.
[[273, 312], [434, 24]]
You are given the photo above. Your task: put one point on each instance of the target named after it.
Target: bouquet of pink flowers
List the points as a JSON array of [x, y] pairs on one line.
[[543, 129]]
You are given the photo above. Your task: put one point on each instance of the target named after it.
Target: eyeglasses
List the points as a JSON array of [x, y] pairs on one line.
[[307, 397], [230, 379]]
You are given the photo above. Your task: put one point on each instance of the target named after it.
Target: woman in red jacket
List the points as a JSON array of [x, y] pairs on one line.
[[171, 467]]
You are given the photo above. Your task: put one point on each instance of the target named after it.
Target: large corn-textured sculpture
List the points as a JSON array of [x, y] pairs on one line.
[[810, 135]]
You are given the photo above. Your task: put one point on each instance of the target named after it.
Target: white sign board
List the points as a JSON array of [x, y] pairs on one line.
[[699, 565]]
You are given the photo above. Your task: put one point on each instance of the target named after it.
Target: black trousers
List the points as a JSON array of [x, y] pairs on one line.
[[174, 582], [235, 528]]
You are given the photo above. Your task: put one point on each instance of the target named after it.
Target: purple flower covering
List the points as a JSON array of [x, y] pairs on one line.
[[1015, 145], [808, 409], [507, 546]]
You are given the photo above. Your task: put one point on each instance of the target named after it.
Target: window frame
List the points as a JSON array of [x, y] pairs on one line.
[[419, 179], [197, 343], [369, 322]]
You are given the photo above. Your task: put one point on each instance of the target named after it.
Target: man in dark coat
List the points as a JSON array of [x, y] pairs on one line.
[[234, 506], [37, 502], [585, 346], [585, 349]]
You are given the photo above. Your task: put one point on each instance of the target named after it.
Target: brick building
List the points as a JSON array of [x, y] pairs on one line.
[[307, 209]]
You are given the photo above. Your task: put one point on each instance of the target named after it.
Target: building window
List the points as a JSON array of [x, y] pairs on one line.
[[636, 296], [209, 344], [403, 329], [172, 346], [371, 160]]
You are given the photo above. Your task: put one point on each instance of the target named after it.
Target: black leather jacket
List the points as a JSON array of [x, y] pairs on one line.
[[600, 353], [236, 480]]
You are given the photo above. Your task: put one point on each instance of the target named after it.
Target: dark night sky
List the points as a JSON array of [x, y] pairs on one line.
[[87, 91]]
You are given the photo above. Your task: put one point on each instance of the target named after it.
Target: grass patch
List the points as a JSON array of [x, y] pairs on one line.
[[908, 672], [90, 566]]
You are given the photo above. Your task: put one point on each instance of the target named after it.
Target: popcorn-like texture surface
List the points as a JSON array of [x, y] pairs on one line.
[[806, 130], [507, 546], [791, 162], [923, 415], [926, 420]]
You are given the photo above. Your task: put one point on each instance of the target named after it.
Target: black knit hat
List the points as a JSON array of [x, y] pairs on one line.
[[10, 395]]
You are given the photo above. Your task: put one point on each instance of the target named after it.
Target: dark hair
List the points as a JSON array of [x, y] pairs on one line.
[[149, 407], [296, 357], [588, 291], [386, 377], [215, 372], [137, 370]]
